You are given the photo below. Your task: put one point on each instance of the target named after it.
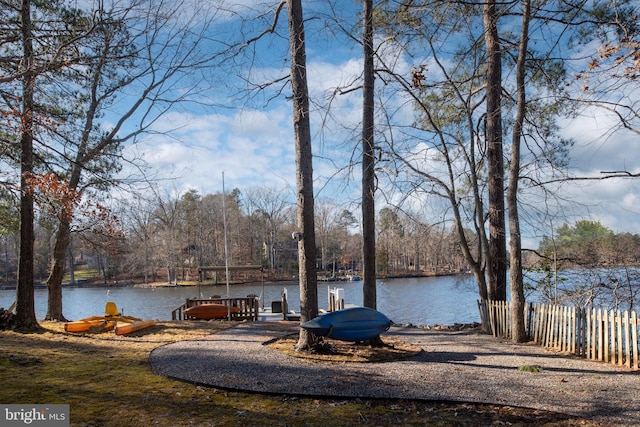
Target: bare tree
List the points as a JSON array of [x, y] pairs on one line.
[[325, 222], [25, 310], [167, 216], [451, 136], [269, 205], [518, 332], [368, 163], [497, 267], [136, 48], [304, 174], [50, 34], [137, 219]]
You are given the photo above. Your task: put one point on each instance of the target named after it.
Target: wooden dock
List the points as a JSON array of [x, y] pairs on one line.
[[249, 307]]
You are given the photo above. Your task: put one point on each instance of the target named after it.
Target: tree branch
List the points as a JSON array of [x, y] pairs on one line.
[[269, 30]]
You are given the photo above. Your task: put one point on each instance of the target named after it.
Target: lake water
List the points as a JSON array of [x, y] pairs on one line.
[[422, 301]]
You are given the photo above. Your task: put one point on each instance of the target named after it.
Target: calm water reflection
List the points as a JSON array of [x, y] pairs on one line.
[[421, 301]]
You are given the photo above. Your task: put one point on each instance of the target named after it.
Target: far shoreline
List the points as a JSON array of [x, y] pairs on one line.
[[83, 283]]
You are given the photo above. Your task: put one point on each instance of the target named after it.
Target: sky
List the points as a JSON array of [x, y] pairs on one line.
[[252, 144]]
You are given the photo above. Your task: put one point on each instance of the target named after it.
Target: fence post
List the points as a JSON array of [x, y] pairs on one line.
[[542, 330]]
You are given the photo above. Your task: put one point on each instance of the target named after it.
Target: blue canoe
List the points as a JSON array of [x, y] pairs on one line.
[[350, 324]]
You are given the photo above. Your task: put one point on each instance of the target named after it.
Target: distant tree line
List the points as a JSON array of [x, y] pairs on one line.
[[166, 238], [589, 244], [587, 265]]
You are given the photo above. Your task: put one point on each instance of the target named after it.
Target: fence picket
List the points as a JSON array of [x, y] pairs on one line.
[[562, 327], [627, 339], [605, 331], [634, 339], [548, 332], [595, 330], [544, 320], [572, 330], [560, 322], [539, 322], [619, 342], [567, 329], [505, 319], [601, 333], [590, 343], [492, 318], [580, 332], [613, 322], [557, 332], [551, 332]]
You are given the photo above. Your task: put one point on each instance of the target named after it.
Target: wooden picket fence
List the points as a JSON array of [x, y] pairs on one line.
[[609, 336]]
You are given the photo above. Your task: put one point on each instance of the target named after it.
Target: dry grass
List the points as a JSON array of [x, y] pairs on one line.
[[107, 381]]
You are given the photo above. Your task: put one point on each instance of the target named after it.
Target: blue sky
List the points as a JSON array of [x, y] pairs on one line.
[[252, 141]]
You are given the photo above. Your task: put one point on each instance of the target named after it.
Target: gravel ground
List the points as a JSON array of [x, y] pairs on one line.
[[455, 366]]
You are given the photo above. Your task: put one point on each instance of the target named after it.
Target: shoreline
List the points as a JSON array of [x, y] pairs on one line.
[[127, 283]]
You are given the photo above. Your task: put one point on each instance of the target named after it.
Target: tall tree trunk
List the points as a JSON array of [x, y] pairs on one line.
[[497, 266], [304, 174], [368, 165], [518, 331], [54, 281], [25, 294]]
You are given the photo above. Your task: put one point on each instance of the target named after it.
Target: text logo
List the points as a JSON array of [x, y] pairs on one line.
[[34, 415]]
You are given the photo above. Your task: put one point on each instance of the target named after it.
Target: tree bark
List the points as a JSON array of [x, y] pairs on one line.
[[304, 175], [518, 331], [368, 165], [54, 281], [25, 294], [497, 266]]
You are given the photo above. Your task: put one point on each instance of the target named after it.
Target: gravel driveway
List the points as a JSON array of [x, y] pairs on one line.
[[455, 366]]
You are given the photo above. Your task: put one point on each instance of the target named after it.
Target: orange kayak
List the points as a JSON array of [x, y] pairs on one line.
[[127, 328], [93, 325], [210, 311]]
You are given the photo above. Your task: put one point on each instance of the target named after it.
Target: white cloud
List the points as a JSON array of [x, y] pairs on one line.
[[600, 146], [249, 146]]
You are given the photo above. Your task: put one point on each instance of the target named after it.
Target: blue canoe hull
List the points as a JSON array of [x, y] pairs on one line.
[[351, 324]]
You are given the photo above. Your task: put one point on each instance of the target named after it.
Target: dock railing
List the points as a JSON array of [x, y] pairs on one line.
[[249, 307], [609, 336]]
